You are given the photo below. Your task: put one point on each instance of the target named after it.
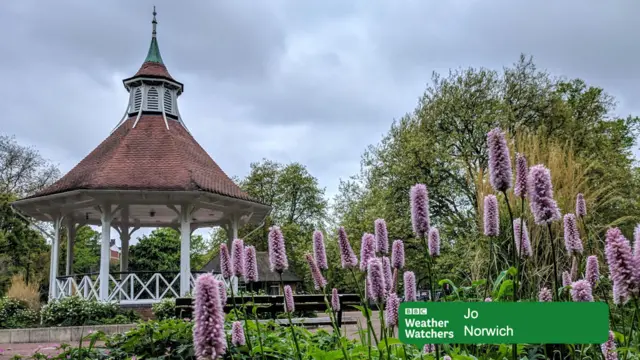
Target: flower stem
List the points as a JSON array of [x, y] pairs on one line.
[[514, 347], [383, 328], [555, 264], [336, 331], [253, 300], [293, 331], [366, 312], [246, 320], [486, 291]]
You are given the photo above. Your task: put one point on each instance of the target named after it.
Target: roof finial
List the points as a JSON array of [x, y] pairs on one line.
[[154, 22]]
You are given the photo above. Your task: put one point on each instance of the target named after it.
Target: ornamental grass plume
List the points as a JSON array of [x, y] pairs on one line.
[[434, 242], [572, 241], [335, 300], [382, 236], [566, 279], [419, 197], [347, 256], [620, 260], [237, 334], [525, 245], [491, 216], [410, 286], [319, 252], [522, 171], [277, 252], [367, 250], [545, 295], [592, 271], [574, 269], [581, 205], [397, 254], [581, 291], [609, 348], [375, 275], [319, 281], [391, 310], [500, 173], [250, 265], [540, 189], [237, 257], [289, 304], [222, 287], [388, 276], [208, 331], [226, 269]]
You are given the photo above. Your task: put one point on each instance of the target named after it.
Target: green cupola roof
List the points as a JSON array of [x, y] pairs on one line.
[[154, 51]]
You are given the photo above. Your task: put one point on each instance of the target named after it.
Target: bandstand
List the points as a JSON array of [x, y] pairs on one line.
[[149, 172]]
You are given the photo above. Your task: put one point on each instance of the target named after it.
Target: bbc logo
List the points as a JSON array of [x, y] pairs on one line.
[[415, 311]]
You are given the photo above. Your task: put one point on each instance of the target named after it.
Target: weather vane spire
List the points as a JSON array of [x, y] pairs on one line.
[[154, 22]]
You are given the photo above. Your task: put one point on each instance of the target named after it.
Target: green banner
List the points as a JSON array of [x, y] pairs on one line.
[[503, 323]]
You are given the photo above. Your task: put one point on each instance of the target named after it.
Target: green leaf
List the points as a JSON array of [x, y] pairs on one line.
[[479, 282], [363, 310], [453, 286], [506, 289]]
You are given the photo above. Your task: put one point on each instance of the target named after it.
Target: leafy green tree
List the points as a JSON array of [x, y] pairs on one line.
[[86, 256], [160, 251]]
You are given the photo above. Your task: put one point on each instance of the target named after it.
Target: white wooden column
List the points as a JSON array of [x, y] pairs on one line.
[[125, 235], [185, 249], [71, 240], [232, 230], [53, 267], [105, 252]]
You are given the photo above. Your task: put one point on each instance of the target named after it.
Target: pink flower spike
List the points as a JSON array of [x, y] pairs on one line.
[[522, 171], [581, 291], [277, 252], [609, 348], [319, 281], [491, 216], [382, 237], [388, 277], [335, 300], [545, 295], [237, 334], [593, 271], [367, 250], [499, 160], [222, 287], [572, 241], [620, 260], [289, 304], [226, 269], [319, 252], [237, 257], [525, 246], [391, 310], [250, 264], [540, 189], [419, 210], [434, 242], [347, 256], [397, 254], [581, 206], [208, 331], [375, 273], [410, 286]]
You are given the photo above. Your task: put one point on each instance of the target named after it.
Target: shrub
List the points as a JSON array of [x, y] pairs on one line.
[[16, 313], [167, 339], [165, 309], [74, 311], [29, 293]]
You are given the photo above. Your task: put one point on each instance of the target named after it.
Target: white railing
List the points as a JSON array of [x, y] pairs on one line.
[[127, 288]]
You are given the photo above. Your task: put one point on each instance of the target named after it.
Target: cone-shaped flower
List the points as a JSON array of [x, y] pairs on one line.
[[592, 271], [581, 291], [367, 250], [289, 304], [319, 281], [525, 246], [522, 171], [609, 348], [488, 299], [446, 357], [388, 276], [319, 252], [277, 252], [434, 242], [382, 237], [222, 287], [499, 161], [391, 310], [428, 348], [367, 292], [545, 295], [636, 257], [226, 269], [581, 206], [237, 257], [566, 278], [540, 190], [572, 241], [237, 334], [375, 273], [347, 256], [574, 269], [491, 216], [335, 300], [397, 254], [620, 260], [419, 210], [208, 331], [410, 286], [250, 264]]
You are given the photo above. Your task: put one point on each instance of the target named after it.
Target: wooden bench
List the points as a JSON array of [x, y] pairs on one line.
[[274, 304]]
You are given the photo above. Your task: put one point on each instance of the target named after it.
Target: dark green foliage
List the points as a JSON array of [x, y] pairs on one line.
[[165, 309], [160, 251], [16, 314], [75, 311]]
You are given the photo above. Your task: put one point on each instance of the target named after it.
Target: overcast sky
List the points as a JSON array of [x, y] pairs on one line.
[[307, 81]]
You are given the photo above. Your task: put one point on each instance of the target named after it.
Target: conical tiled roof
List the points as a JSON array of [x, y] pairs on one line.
[[148, 157]]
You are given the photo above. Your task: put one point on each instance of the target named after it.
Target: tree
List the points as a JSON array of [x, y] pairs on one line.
[[22, 169], [160, 251], [442, 144], [86, 251]]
